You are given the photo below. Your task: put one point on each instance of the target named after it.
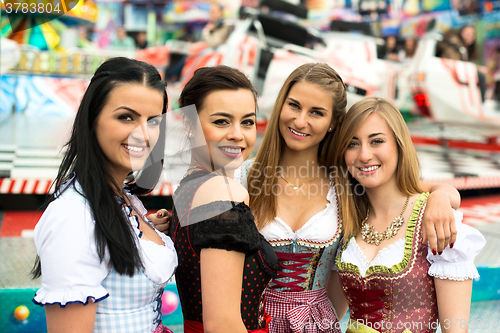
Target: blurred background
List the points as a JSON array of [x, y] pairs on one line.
[[436, 60]]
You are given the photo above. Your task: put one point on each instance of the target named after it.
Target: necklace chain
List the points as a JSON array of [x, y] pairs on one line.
[[374, 237], [296, 187]]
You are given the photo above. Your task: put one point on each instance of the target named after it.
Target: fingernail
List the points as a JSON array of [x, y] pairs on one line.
[[440, 252], [451, 245], [434, 252], [159, 214]]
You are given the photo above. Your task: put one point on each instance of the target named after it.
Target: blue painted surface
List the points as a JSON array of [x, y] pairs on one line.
[[486, 288]]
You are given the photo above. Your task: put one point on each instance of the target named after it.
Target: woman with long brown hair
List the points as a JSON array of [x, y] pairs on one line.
[[389, 276], [295, 200]]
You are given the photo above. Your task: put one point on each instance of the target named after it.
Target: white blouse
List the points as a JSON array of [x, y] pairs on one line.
[[320, 228], [65, 242], [455, 263]]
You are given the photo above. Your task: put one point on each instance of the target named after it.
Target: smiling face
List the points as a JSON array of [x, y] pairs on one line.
[[128, 127], [227, 120], [305, 117], [372, 154]]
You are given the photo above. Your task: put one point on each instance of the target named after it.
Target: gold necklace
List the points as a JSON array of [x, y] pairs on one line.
[[296, 187], [373, 237]]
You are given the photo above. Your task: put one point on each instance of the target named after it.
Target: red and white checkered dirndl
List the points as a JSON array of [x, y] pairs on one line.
[[300, 312]]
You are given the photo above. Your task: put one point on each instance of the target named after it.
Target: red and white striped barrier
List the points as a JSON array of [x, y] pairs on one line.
[[24, 186], [42, 186], [469, 183]]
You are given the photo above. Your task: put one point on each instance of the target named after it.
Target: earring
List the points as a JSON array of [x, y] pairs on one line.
[[330, 129], [190, 134]]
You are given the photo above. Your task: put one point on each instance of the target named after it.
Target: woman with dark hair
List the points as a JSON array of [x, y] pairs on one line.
[[103, 264], [408, 52], [224, 263], [468, 36]]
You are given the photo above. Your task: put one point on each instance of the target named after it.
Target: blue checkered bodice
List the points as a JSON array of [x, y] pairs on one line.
[[133, 305]]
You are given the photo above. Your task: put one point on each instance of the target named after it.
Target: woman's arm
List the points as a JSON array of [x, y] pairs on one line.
[[453, 299], [439, 219], [221, 281], [75, 318], [336, 295]]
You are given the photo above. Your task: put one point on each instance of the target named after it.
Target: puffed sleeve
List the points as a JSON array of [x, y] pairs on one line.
[[457, 263], [241, 174], [233, 229], [65, 243]]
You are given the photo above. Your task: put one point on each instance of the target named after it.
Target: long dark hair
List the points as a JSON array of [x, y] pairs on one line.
[[471, 48], [86, 160]]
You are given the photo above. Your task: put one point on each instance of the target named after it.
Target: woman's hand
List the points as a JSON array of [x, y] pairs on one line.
[[439, 223], [439, 219], [161, 220]]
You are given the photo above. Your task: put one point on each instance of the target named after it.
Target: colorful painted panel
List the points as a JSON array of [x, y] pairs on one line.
[[40, 95]]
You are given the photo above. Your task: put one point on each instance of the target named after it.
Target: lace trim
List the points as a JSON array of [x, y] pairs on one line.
[[233, 233], [360, 253], [269, 267], [134, 219], [457, 271], [415, 216], [94, 300], [379, 254], [454, 278], [219, 208], [311, 243]]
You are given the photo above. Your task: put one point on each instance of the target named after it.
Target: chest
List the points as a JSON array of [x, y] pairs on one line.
[[297, 207]]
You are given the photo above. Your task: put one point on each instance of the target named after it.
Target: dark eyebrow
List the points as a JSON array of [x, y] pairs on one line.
[[128, 109], [313, 108], [137, 114], [229, 115], [370, 136]]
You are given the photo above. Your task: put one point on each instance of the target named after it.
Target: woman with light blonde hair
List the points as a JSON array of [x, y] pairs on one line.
[[389, 277], [294, 200]]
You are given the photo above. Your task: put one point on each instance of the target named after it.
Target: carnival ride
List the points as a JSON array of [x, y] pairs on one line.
[[268, 48], [447, 91], [41, 87]]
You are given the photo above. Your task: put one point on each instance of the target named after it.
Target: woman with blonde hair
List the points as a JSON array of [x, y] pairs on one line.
[[294, 199], [390, 278]]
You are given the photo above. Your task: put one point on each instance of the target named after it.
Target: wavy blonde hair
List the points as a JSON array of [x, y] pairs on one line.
[[354, 206], [262, 203]]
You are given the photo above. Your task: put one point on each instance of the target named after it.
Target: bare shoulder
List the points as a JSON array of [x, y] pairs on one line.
[[220, 188]]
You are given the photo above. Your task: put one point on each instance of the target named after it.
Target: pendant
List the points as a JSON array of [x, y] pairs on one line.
[[294, 187]]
